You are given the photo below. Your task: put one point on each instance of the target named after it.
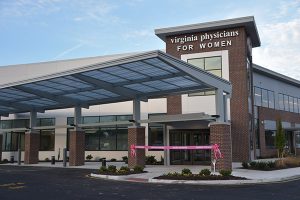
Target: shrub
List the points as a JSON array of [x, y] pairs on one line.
[[103, 169], [252, 164], [150, 160], [271, 164], [138, 169], [125, 159], [186, 172], [245, 165], [224, 172], [112, 168], [4, 161], [89, 157], [124, 168], [47, 160], [113, 160], [205, 172]]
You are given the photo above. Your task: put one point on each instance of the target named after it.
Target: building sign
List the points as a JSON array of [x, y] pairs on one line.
[[206, 40]]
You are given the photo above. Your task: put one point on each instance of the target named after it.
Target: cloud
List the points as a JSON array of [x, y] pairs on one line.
[[281, 43], [67, 51], [24, 8], [138, 33]]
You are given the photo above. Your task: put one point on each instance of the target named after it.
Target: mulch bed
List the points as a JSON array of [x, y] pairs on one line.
[[120, 174], [198, 177]]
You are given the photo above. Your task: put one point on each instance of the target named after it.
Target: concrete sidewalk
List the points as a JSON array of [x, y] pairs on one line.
[[253, 176]]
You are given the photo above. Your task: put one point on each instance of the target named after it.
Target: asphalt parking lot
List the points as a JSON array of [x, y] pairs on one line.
[[59, 183]]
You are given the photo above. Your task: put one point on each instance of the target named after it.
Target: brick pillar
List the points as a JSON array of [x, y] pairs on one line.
[[220, 133], [1, 140], [32, 146], [136, 136], [174, 105], [77, 148]]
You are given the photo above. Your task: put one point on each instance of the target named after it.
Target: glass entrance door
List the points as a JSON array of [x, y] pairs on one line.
[[189, 138]]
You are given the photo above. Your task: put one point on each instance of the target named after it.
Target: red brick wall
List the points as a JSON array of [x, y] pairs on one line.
[[136, 136], [77, 148], [32, 146], [238, 78], [174, 105], [271, 114], [220, 133]]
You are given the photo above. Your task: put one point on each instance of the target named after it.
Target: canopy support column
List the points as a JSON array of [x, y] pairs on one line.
[[77, 141], [32, 141], [220, 106], [136, 136]]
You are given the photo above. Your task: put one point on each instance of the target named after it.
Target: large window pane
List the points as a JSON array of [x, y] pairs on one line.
[[20, 123], [122, 139], [265, 101], [281, 101], [156, 136], [257, 96], [110, 118], [46, 122], [47, 140], [297, 139], [198, 62], [108, 139], [124, 117], [291, 104], [271, 99], [216, 72], [286, 103], [91, 119], [92, 139], [270, 138], [295, 105], [6, 124], [213, 63]]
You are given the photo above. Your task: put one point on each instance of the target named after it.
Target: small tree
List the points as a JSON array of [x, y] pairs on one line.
[[280, 139]]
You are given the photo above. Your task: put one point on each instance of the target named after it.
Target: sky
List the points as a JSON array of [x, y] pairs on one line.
[[44, 30]]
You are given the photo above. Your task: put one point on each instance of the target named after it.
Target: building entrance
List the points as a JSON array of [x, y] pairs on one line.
[[189, 138]]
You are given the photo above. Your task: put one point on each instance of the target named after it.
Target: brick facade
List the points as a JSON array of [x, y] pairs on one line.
[[1, 140], [32, 146], [220, 133], [77, 148], [136, 136], [174, 105], [274, 115], [238, 78]]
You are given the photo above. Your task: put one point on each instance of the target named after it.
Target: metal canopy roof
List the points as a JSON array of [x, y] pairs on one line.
[[139, 76]]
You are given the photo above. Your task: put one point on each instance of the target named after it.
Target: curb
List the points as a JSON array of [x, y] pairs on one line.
[[209, 182]]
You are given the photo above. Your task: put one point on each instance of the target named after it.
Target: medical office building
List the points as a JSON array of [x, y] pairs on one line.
[[203, 89]]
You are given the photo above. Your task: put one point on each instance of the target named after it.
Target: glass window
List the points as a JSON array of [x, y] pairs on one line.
[[270, 138], [109, 118], [46, 122], [6, 124], [286, 102], [298, 105], [213, 63], [92, 139], [257, 96], [291, 104], [210, 64], [47, 140], [198, 62], [70, 120], [271, 99], [122, 139], [295, 105], [156, 136], [20, 123], [281, 101], [297, 139], [108, 139], [91, 119], [124, 117], [265, 101]]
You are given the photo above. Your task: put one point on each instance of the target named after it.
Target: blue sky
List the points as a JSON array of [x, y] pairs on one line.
[[43, 30]]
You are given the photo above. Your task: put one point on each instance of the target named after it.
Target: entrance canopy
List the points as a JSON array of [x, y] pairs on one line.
[[106, 80]]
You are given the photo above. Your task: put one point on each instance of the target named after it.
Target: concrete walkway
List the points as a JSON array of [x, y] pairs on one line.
[[253, 176]]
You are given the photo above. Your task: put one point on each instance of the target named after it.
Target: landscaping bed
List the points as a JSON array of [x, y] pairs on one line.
[[113, 171], [204, 174], [284, 163]]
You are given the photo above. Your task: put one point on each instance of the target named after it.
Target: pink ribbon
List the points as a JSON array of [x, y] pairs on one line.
[[215, 148]]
